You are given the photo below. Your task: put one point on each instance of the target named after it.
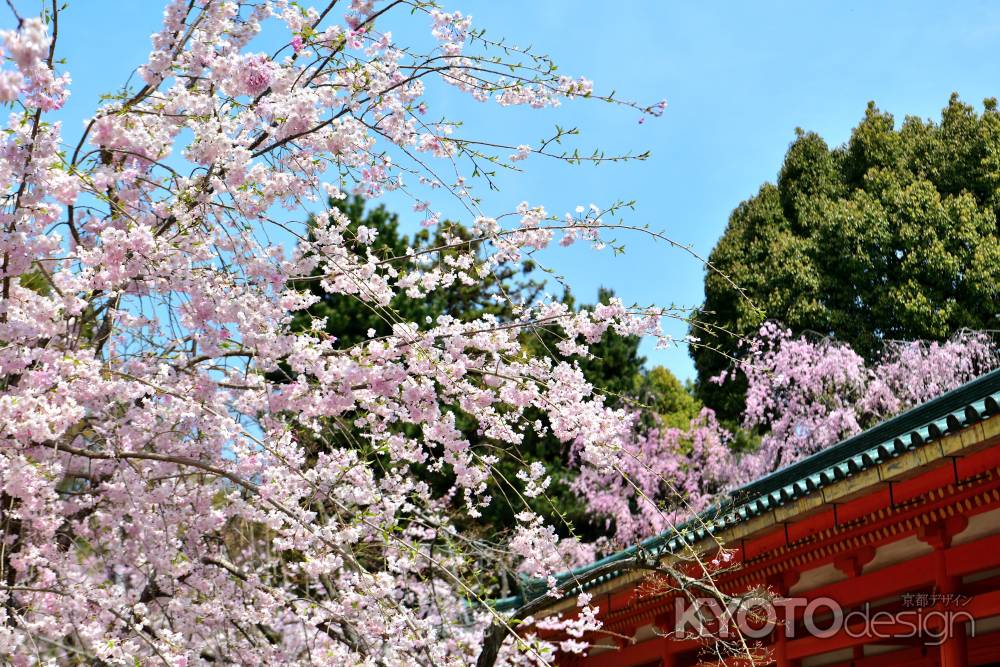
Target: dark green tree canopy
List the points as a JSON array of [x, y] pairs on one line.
[[891, 236]]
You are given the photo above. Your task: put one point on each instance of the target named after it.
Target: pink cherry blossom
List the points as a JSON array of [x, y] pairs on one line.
[[257, 73], [808, 394]]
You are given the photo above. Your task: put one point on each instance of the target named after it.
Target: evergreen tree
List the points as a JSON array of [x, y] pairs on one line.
[[892, 236]]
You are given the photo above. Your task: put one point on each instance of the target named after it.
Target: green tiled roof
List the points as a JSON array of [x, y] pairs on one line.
[[949, 413]]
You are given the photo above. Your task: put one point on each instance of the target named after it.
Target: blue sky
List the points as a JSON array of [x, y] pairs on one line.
[[739, 78]]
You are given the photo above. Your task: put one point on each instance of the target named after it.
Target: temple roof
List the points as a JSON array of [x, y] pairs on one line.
[[945, 415]]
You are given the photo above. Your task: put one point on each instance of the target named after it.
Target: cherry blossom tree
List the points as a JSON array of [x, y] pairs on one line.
[[804, 394], [156, 503]]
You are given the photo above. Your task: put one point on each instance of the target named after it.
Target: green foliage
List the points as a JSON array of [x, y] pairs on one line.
[[891, 236], [663, 394], [36, 281]]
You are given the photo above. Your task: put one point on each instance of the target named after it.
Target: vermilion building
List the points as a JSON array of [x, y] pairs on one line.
[[902, 520]]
